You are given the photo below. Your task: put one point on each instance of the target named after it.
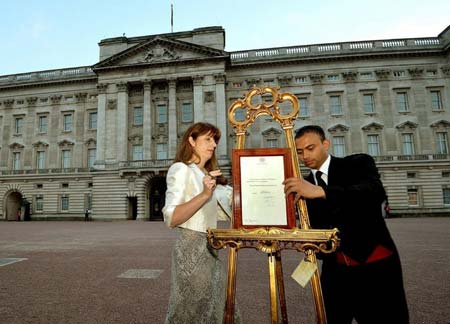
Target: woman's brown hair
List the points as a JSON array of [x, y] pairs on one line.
[[186, 152]]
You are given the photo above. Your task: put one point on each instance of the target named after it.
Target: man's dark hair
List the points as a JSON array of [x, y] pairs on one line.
[[310, 129]]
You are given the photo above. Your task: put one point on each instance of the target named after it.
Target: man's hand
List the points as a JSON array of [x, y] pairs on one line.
[[302, 188]]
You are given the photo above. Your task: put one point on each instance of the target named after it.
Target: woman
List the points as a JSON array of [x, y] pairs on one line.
[[197, 293]]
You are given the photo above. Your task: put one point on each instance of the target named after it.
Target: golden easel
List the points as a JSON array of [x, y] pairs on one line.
[[272, 240]]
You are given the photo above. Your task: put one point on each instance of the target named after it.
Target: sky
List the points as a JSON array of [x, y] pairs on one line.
[[37, 35]]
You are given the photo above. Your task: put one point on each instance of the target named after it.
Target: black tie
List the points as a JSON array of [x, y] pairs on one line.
[[319, 179]]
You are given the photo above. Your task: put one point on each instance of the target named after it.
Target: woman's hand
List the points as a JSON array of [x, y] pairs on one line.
[[209, 181]]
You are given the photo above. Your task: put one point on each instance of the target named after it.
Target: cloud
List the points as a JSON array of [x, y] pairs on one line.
[[37, 29]]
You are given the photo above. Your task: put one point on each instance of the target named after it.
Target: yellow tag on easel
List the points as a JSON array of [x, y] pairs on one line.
[[304, 271]]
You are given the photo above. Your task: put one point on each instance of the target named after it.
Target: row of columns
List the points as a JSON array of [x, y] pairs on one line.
[[121, 122]]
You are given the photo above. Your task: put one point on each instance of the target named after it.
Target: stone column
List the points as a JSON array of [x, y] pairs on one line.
[[221, 114], [198, 98], [122, 122], [172, 115], [147, 131], [101, 126]]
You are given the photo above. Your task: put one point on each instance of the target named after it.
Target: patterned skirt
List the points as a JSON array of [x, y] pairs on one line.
[[198, 285]]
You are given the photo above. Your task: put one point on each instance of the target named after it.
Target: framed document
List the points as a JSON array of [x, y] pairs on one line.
[[258, 195]]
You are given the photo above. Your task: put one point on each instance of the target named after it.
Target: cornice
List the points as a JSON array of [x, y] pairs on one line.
[[160, 64], [330, 58], [41, 84]]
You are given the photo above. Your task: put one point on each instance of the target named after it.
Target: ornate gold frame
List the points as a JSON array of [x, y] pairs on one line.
[[272, 240]]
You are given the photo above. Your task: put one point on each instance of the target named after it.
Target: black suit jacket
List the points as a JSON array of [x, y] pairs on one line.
[[353, 205]]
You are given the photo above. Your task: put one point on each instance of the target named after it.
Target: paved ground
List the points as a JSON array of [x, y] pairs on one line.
[[118, 273]]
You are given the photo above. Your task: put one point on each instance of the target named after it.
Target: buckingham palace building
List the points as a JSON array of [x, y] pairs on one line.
[[99, 139]]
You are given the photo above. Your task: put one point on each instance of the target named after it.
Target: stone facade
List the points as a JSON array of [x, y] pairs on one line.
[[101, 137]]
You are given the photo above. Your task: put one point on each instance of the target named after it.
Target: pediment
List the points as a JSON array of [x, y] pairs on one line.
[[65, 142], [372, 127], [90, 141], [160, 50], [338, 128], [440, 124], [40, 144], [16, 146], [271, 131], [407, 125]]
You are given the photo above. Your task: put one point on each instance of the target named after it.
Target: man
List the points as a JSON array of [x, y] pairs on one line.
[[363, 279]]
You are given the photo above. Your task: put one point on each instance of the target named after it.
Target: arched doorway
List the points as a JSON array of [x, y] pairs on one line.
[[157, 196], [13, 204]]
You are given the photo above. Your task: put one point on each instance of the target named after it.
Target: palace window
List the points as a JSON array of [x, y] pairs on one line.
[[368, 103], [92, 120], [442, 142], [436, 100], [138, 117], [402, 102], [373, 145], [407, 144], [446, 196], [64, 203], [16, 161], [161, 151], [304, 108], [39, 203], [187, 115], [92, 155], [413, 197], [161, 117], [67, 122], [137, 152], [43, 124], [18, 125], [65, 159], [335, 105], [272, 142], [40, 160], [411, 175], [338, 145]]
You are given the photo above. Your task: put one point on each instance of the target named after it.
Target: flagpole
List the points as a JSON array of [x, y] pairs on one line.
[[171, 17]]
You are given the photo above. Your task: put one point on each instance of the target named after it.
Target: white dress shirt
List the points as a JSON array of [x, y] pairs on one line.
[[324, 169], [184, 182]]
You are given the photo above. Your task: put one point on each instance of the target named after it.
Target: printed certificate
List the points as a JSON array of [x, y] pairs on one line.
[[259, 199]]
